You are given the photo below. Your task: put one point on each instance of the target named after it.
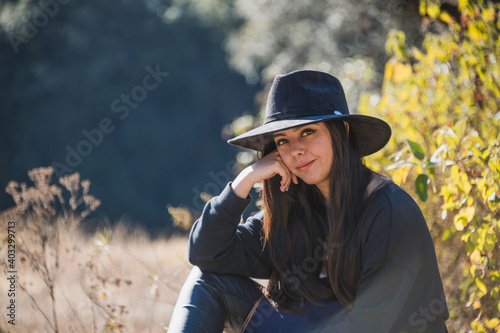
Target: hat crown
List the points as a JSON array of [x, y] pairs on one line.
[[307, 97], [305, 93]]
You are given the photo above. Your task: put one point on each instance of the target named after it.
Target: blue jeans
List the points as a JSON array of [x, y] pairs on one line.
[[209, 302]]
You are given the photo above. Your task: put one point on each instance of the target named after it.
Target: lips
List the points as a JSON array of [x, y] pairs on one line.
[[305, 166]]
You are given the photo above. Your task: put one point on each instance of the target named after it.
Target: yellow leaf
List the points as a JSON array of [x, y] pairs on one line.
[[422, 8], [459, 128], [475, 257], [490, 241], [475, 33], [454, 173], [433, 10], [460, 222], [464, 184], [492, 323], [464, 68], [462, 4], [464, 216], [389, 68], [446, 18], [469, 213], [488, 14], [401, 174], [480, 285]]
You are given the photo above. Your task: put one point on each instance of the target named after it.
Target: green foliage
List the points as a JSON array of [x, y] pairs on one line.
[[416, 149], [421, 186], [443, 101]]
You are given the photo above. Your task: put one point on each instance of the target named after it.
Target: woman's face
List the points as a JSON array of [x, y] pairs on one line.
[[307, 152]]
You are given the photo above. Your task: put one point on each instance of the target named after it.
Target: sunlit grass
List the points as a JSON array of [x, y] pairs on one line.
[[116, 279], [122, 281]]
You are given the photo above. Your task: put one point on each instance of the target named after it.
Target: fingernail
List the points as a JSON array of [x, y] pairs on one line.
[[287, 189]]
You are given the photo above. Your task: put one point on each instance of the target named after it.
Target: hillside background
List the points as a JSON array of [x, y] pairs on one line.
[[64, 63]]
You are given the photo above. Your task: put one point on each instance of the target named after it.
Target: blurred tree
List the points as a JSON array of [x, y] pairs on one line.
[[271, 37], [443, 101], [63, 66], [274, 37]]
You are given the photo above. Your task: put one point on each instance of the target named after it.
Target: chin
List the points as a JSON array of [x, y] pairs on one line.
[[309, 181]]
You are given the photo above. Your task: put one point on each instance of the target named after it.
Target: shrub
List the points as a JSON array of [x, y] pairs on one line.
[[442, 100], [39, 225], [70, 279]]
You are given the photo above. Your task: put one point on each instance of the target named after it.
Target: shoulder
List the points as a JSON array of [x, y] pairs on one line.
[[394, 226], [407, 220], [391, 196], [391, 207]]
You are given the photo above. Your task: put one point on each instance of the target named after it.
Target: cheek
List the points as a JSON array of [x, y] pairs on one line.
[[287, 161], [286, 158], [329, 164], [327, 156]]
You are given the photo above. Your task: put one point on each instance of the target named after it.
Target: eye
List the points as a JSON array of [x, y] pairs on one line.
[[281, 142], [308, 131]]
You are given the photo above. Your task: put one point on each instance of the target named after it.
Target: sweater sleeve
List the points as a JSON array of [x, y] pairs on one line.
[[400, 288], [219, 243]]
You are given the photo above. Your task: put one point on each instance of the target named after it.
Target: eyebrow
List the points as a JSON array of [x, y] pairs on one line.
[[275, 135]]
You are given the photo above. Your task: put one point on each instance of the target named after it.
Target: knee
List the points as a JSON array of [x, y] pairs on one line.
[[215, 282], [198, 274], [203, 278]]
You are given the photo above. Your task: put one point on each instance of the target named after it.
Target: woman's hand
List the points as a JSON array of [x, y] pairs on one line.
[[269, 166]]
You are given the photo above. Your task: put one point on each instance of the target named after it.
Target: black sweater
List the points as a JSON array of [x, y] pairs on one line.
[[399, 290]]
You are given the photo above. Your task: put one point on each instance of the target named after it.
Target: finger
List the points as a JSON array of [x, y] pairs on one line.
[[285, 177], [279, 170], [291, 177]]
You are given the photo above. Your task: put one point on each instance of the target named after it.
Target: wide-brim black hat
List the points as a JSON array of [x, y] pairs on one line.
[[304, 97]]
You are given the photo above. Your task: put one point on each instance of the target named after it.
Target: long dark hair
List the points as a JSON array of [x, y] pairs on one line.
[[304, 234]]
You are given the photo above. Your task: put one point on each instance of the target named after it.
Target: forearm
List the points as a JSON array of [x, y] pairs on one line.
[[214, 231], [219, 243], [243, 183]]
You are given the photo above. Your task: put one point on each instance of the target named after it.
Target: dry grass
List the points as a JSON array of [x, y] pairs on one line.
[[115, 282]]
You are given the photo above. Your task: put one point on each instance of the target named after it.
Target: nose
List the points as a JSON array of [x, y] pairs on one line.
[[297, 148]]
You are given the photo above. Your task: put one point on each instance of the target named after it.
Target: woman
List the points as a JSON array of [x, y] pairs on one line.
[[344, 249]]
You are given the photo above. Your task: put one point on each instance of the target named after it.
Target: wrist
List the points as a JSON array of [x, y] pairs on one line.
[[243, 183]]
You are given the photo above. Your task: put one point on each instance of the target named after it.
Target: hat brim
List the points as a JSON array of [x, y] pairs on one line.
[[371, 133]]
